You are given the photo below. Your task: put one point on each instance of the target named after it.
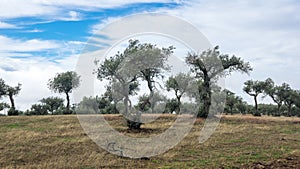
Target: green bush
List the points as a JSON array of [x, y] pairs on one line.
[[268, 109], [13, 112]]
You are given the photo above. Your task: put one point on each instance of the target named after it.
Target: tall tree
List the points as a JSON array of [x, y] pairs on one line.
[[149, 61], [179, 84], [138, 61], [122, 79], [207, 67], [65, 83], [254, 88]]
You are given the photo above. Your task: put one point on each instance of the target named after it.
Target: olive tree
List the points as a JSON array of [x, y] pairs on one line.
[[11, 92], [149, 62], [180, 85], [139, 61], [65, 83], [278, 93], [144, 103], [38, 109], [296, 98], [123, 83], [2, 93], [254, 88], [232, 101], [291, 97], [206, 67], [2, 88], [3, 106]]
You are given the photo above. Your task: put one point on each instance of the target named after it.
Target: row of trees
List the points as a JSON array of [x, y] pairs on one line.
[[281, 95], [140, 62], [146, 63], [234, 104], [61, 83]]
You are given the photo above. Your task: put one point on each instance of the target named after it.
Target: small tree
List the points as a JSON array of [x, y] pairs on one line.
[[108, 102], [276, 93], [65, 83], [180, 85], [171, 106], [95, 105], [207, 68], [3, 93], [242, 107], [53, 104], [2, 88], [232, 101], [296, 99], [144, 103], [3, 106], [254, 88], [38, 109], [290, 98]]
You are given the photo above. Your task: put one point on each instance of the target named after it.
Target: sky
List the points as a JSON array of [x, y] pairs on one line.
[[39, 38]]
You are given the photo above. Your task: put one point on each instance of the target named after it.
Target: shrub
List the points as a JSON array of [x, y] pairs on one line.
[[13, 112]]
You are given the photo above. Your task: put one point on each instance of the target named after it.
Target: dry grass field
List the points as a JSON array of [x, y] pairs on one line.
[[239, 142]]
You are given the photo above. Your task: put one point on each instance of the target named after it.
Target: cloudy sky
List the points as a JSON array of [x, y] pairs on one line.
[[39, 38]]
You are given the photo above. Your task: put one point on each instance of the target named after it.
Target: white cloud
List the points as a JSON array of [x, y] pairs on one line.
[[51, 8], [95, 28], [96, 4], [34, 71], [16, 45], [266, 33], [20, 65], [19, 8], [4, 25], [34, 31], [71, 16], [34, 74], [74, 15]]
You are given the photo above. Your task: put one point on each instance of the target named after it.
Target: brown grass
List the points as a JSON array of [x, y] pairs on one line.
[[60, 142]]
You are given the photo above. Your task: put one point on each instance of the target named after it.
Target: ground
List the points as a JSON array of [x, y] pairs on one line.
[[239, 142]]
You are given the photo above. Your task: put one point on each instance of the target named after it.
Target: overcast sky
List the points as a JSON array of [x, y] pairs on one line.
[[41, 38]]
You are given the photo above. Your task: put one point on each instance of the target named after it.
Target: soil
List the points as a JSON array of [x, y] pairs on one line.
[[288, 162]]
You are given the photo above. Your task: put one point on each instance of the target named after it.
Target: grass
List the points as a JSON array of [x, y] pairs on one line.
[[60, 142]]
